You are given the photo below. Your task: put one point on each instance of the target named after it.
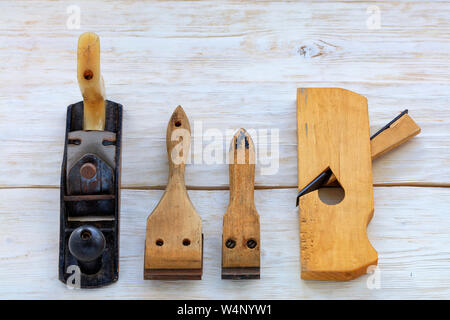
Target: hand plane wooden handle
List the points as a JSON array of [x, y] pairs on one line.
[[241, 231], [333, 133], [174, 241], [90, 179], [91, 81]]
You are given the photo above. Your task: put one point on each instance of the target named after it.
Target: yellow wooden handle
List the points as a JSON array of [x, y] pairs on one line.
[[91, 81]]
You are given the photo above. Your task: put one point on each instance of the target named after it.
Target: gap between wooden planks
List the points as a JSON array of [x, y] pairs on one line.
[[217, 59], [206, 188]]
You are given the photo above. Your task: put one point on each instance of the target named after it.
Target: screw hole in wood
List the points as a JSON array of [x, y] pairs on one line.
[[88, 74]]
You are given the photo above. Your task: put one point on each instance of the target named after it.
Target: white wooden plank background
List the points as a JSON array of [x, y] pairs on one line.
[[230, 64], [410, 237]]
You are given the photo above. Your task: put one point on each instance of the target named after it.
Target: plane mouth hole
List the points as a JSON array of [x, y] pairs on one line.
[[332, 195]]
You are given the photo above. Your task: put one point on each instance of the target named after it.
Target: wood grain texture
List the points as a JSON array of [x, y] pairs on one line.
[[241, 226], [174, 242], [212, 59], [409, 229], [333, 133], [399, 132]]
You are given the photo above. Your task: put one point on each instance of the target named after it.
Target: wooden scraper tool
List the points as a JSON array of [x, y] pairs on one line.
[[174, 240], [241, 234]]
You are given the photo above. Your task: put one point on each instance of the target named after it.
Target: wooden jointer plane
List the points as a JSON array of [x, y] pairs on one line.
[[90, 179], [335, 147]]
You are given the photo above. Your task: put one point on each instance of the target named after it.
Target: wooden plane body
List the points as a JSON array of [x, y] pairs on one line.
[[333, 133]]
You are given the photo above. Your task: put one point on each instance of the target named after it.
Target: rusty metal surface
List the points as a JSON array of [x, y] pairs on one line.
[[98, 177]]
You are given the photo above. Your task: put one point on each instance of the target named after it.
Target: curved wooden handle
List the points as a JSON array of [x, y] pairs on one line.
[[178, 140], [242, 169], [91, 81]]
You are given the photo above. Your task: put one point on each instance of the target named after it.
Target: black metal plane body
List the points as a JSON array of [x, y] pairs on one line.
[[90, 200]]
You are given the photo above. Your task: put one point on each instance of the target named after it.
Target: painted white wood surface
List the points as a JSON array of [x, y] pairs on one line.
[[230, 64], [411, 237]]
